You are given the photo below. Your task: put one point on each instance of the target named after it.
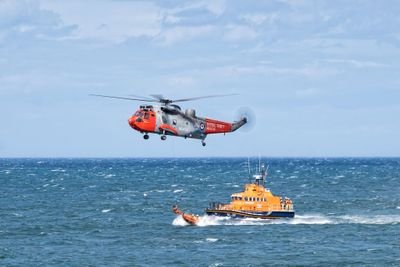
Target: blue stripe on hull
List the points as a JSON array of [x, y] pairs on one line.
[[251, 214]]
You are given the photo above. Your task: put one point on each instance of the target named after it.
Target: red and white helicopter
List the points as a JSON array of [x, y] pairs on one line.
[[169, 119]]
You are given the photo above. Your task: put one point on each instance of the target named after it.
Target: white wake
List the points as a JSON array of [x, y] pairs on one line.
[[206, 220]]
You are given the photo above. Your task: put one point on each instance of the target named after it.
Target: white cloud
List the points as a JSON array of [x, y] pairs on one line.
[[12, 10], [184, 33], [307, 71], [260, 18], [117, 21], [240, 33], [25, 28], [27, 18], [113, 21], [216, 7], [308, 92], [24, 82], [172, 19], [180, 81], [357, 63]]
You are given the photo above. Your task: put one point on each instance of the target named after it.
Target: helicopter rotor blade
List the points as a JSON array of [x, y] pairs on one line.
[[162, 99], [125, 98], [158, 97], [201, 97], [141, 97]]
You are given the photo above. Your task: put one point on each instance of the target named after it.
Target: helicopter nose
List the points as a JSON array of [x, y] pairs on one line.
[[131, 121]]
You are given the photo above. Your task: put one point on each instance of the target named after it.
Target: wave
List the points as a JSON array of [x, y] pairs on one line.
[[178, 190], [58, 170], [206, 220], [208, 240]]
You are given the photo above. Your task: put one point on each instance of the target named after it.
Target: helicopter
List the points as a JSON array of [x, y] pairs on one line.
[[167, 118]]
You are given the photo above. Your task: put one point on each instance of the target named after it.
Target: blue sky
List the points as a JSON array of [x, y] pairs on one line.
[[322, 77]]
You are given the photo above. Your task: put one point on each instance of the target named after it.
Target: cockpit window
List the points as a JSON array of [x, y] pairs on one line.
[[164, 119], [139, 113]]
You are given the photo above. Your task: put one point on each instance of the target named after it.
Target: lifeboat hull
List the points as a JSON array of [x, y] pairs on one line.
[[251, 214]]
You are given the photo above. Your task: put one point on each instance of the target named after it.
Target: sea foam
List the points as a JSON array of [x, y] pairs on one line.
[[206, 220]]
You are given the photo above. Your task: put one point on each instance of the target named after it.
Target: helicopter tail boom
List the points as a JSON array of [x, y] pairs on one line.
[[215, 126], [238, 124]]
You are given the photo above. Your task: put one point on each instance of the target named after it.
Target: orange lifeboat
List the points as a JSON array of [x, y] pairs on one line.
[[256, 201]]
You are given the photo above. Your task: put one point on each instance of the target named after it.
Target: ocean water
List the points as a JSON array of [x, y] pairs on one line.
[[117, 212]]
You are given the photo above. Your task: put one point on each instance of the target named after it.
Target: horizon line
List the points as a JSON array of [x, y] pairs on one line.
[[192, 157]]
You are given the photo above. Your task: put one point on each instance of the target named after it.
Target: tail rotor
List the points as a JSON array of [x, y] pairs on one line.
[[247, 114]]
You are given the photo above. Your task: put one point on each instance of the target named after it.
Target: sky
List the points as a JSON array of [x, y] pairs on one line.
[[321, 77]]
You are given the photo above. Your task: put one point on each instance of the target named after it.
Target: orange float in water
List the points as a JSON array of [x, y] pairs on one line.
[[189, 218]]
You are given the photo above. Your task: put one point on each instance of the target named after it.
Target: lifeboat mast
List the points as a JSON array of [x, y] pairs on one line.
[[260, 176]]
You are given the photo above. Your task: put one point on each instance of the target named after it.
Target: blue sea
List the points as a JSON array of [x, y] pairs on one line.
[[117, 212]]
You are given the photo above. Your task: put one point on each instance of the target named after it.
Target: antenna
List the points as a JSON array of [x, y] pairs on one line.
[[248, 166]]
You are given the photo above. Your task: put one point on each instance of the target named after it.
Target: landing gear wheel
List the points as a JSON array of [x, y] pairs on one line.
[[163, 137], [203, 143], [146, 136]]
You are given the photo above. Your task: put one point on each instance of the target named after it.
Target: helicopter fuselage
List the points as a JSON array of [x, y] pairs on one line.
[[171, 120]]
